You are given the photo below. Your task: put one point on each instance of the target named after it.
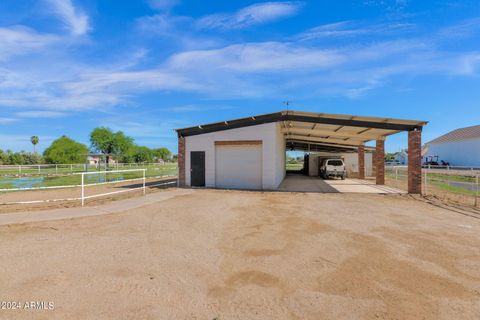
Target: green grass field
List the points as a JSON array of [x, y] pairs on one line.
[[294, 166], [51, 179]]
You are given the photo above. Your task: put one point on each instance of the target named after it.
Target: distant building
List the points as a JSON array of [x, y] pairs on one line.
[[97, 159], [460, 147], [402, 157]]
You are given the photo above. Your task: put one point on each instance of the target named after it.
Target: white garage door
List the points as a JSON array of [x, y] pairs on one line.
[[238, 166]]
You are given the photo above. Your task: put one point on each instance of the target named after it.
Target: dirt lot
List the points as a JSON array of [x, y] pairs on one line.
[[246, 255]]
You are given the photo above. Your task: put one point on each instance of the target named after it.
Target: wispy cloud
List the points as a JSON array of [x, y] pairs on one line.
[[256, 57], [198, 108], [74, 18], [346, 29], [40, 114], [259, 13], [163, 4], [21, 40], [7, 120], [251, 69], [461, 30]]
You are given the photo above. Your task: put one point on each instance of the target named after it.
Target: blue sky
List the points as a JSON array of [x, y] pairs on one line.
[[149, 66]]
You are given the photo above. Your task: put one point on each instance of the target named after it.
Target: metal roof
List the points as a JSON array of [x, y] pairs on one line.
[[317, 128], [458, 135]]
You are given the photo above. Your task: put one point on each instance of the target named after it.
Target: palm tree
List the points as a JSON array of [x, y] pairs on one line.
[[34, 140]]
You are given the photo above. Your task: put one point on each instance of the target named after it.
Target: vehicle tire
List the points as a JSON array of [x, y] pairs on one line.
[[343, 177]]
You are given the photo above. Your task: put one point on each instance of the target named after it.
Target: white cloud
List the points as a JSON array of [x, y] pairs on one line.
[[346, 29], [198, 108], [20, 40], [263, 69], [461, 30], [7, 120], [468, 64], [74, 18], [162, 4], [259, 13], [256, 57], [40, 114]]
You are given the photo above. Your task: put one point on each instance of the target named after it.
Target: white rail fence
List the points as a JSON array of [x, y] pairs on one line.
[[83, 185], [108, 178]]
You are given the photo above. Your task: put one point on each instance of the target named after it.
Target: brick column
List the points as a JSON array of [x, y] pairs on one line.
[[415, 161], [181, 161], [380, 162], [361, 162]]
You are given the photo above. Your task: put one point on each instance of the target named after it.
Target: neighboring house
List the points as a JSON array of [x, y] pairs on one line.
[[93, 160], [401, 157], [96, 159], [460, 147]]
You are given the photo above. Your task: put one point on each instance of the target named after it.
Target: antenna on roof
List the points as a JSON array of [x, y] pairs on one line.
[[287, 103]]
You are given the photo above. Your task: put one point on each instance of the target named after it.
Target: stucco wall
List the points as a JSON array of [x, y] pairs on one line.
[[281, 156], [272, 146], [460, 153]]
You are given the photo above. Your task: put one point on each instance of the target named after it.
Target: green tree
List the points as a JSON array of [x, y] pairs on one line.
[[162, 153], [142, 154], [106, 141], [389, 156], [66, 150], [34, 140]]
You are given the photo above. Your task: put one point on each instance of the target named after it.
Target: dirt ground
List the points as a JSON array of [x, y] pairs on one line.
[[217, 254]]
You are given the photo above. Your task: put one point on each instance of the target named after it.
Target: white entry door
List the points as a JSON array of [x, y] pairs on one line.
[[238, 166]]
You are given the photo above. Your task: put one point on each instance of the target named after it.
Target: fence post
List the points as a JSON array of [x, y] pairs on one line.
[[476, 192], [38, 168], [83, 188], [20, 169], [144, 191], [426, 182], [56, 168], [396, 176]]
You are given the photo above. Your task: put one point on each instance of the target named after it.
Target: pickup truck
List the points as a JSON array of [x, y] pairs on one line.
[[332, 168]]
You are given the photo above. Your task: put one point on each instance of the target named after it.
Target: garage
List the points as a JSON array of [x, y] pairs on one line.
[[238, 165], [250, 153]]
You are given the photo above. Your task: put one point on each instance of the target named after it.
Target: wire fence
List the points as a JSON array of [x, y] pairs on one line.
[[457, 184]]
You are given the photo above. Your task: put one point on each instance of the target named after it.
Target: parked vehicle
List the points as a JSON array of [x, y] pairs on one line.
[[332, 168], [433, 161]]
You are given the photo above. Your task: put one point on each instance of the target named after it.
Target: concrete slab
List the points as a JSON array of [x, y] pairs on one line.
[[301, 183]]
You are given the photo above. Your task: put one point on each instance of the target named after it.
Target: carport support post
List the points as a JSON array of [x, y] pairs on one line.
[[361, 161], [380, 161], [415, 161], [181, 161]]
